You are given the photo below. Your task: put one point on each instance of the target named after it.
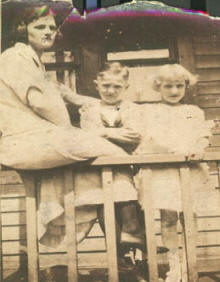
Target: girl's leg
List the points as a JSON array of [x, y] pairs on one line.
[[170, 239]]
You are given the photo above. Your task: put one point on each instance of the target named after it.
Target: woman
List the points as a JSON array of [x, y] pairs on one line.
[[36, 128]]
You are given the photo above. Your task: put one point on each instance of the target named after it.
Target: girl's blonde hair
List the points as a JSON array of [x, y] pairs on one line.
[[170, 72]]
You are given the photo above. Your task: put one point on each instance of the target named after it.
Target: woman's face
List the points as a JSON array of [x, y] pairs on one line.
[[41, 33]]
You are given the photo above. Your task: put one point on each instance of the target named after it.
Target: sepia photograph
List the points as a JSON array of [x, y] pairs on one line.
[[109, 143]]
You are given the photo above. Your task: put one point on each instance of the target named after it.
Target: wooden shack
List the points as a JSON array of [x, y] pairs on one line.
[[142, 39]]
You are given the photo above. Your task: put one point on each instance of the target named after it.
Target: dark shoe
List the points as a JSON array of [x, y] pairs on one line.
[[125, 264], [141, 246]]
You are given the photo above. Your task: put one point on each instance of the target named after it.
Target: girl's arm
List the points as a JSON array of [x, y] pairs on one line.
[[201, 132]]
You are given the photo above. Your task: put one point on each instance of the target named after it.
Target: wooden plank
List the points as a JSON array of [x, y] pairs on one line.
[[1, 257], [208, 74], [187, 60], [208, 101], [14, 233], [151, 159], [215, 140], [138, 159], [110, 229], [185, 50], [12, 190], [14, 219], [209, 265], [212, 87], [149, 223], [207, 48], [70, 216], [31, 218], [190, 232], [14, 204], [212, 113], [9, 177], [207, 61], [207, 38]]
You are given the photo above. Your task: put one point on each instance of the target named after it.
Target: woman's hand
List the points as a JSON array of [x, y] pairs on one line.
[[121, 135]]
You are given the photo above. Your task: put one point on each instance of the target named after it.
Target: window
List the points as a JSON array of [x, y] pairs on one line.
[[142, 65]]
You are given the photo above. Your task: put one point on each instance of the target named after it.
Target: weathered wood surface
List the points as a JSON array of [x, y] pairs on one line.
[[110, 229]]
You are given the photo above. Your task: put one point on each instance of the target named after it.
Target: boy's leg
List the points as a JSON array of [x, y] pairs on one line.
[[131, 230], [121, 250]]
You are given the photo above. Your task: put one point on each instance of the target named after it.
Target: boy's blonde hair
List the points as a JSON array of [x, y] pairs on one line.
[[114, 68], [170, 72]]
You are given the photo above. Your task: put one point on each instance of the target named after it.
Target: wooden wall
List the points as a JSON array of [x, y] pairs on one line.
[[206, 52]]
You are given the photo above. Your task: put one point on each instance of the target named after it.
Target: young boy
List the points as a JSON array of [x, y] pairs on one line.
[[113, 119]]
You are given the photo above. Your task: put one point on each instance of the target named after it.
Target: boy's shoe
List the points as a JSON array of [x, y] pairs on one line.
[[129, 238], [138, 242], [125, 264]]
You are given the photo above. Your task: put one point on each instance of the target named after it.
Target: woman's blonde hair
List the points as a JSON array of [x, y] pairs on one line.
[[170, 72]]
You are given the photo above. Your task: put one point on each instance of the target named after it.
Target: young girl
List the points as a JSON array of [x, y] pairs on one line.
[[113, 119], [172, 127]]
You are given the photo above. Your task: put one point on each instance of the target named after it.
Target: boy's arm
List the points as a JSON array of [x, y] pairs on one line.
[[120, 135]]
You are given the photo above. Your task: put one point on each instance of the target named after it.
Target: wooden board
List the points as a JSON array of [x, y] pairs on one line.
[[208, 101], [212, 87], [207, 61], [215, 140], [207, 48], [208, 74], [212, 113]]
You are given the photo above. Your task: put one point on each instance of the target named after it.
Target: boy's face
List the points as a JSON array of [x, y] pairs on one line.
[[172, 91], [111, 88]]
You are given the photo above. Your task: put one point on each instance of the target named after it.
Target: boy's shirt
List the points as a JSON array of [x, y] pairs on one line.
[[126, 115]]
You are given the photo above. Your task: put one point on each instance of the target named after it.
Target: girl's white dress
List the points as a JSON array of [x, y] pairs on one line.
[[179, 129]]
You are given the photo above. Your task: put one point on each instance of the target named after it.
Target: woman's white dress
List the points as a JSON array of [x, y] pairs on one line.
[[29, 141]]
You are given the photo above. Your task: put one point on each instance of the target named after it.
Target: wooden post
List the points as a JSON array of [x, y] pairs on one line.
[[31, 222], [1, 252], [70, 219], [110, 229], [190, 231], [187, 60], [0, 26], [149, 223], [1, 255]]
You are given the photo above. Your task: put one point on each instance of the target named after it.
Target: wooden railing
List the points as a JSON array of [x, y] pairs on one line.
[[146, 162]]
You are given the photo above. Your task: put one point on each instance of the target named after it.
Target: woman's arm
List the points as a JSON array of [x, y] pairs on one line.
[[48, 107], [71, 97]]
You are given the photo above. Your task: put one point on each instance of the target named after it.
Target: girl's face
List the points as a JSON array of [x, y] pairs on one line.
[[172, 91], [111, 88], [41, 33]]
